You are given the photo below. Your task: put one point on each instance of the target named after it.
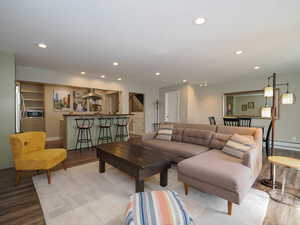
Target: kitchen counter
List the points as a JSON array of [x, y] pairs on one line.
[[70, 129], [96, 114]]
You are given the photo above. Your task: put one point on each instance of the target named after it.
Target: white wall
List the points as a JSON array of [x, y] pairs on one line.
[[208, 101], [7, 102], [53, 77]]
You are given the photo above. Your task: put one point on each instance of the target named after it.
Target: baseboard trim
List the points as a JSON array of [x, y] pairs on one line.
[[293, 146], [53, 139]]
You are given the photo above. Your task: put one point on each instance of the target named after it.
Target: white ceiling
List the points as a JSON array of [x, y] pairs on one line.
[[146, 37]]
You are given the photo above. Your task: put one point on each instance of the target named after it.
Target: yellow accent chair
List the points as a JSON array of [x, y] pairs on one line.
[[29, 153]]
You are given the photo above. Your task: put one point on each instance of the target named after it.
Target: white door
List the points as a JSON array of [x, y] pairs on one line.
[[172, 102]]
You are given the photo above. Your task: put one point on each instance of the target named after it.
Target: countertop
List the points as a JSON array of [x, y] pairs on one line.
[[95, 114]]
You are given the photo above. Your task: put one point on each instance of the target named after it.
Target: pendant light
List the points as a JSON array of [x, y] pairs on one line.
[[288, 98], [268, 90]]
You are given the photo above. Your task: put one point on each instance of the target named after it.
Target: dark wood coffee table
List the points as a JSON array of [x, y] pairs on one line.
[[134, 160]]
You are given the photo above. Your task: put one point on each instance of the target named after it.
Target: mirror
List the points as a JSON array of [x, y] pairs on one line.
[[247, 104]]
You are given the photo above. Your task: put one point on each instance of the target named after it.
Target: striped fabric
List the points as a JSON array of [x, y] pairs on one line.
[[156, 208], [165, 132], [238, 145]]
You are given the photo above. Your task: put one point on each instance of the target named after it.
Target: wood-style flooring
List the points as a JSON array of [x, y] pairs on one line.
[[19, 205]]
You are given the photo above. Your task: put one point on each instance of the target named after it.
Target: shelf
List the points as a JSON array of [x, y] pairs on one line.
[[33, 100], [35, 92], [34, 107]]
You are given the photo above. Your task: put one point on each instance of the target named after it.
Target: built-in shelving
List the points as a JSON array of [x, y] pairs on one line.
[[32, 91], [34, 100], [32, 96]]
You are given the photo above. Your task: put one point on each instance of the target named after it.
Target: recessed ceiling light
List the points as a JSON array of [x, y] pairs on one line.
[[256, 67], [199, 21], [157, 74], [184, 81], [42, 45], [115, 63], [102, 76], [238, 52], [203, 84], [83, 73], [119, 78]]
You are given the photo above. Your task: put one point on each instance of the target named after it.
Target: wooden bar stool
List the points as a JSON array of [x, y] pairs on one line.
[[122, 129], [84, 135], [105, 135]]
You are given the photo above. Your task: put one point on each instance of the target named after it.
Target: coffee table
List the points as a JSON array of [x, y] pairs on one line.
[[136, 161]]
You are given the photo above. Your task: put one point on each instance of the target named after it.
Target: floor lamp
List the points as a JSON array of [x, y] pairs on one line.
[[272, 112]]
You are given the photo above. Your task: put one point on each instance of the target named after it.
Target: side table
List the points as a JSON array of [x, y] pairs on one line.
[[281, 195]]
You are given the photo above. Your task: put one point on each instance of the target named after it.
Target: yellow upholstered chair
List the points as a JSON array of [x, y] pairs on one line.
[[29, 153]]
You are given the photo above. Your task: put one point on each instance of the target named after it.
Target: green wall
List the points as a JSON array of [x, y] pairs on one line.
[[7, 102]]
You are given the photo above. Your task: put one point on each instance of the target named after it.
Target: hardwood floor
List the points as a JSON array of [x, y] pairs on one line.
[[19, 205]]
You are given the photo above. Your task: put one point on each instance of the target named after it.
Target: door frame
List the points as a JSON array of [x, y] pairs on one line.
[[129, 110], [178, 105]]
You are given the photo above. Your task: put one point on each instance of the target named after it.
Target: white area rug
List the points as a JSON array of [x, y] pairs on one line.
[[83, 196]]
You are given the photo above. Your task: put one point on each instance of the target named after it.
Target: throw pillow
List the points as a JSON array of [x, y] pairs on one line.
[[219, 140], [165, 132], [238, 145]]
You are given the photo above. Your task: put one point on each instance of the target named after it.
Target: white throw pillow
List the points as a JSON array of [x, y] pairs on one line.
[[238, 145], [165, 132]]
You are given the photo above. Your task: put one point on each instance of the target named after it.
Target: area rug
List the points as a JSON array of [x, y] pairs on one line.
[[83, 196]]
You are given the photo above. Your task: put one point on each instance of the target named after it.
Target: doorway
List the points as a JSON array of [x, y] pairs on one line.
[[172, 103], [137, 108]]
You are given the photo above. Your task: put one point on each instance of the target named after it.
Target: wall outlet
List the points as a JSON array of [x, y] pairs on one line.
[[294, 139]]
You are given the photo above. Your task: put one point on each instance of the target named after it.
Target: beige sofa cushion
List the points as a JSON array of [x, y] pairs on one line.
[[219, 140], [184, 150], [177, 134], [249, 131], [217, 168], [196, 136]]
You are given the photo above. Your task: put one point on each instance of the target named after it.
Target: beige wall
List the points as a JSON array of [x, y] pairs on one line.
[[7, 102], [208, 101]]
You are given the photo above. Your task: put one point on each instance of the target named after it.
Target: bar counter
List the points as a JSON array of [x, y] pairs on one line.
[[70, 129]]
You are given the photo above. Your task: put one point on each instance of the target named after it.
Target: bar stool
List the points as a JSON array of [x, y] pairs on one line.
[[105, 135], [84, 134], [122, 128]]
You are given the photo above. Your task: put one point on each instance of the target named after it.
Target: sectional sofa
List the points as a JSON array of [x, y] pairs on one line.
[[197, 148]]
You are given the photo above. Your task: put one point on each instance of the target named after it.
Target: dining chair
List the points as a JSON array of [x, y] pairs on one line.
[[212, 120], [245, 122], [234, 122]]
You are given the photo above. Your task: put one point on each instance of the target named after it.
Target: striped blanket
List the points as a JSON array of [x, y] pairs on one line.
[[156, 208]]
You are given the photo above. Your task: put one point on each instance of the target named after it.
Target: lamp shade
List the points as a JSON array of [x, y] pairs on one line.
[[288, 98], [268, 91], [266, 112]]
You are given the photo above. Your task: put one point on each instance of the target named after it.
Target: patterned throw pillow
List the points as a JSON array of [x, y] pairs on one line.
[[165, 132], [156, 208], [238, 145]]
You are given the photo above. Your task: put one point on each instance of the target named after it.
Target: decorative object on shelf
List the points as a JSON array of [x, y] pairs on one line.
[[61, 99], [251, 105], [244, 108], [80, 104], [272, 112]]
